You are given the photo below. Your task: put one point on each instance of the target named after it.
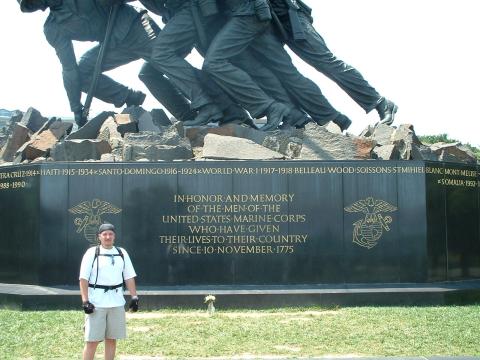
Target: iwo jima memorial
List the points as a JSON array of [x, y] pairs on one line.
[[280, 227], [295, 212]]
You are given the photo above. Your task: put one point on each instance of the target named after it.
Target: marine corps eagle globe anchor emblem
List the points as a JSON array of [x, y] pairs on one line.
[[368, 231], [93, 210]]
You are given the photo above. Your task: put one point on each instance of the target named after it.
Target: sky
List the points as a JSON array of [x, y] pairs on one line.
[[422, 54]]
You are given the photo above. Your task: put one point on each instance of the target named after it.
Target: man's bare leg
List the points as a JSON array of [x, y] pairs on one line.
[[89, 350], [110, 348]]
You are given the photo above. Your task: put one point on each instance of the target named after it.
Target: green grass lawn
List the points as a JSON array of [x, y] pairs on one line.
[[383, 331]]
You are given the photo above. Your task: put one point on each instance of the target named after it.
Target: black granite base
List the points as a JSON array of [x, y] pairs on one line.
[[234, 224]]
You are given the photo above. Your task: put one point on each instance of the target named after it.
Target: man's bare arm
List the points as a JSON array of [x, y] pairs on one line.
[[84, 289], [130, 283]]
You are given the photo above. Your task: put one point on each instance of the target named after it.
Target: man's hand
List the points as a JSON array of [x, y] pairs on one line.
[[88, 307], [80, 118], [133, 307]]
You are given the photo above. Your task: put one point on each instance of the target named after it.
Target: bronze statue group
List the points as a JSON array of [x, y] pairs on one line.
[[247, 74]]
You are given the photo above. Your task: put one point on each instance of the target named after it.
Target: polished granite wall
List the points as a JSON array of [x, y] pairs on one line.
[[232, 223]]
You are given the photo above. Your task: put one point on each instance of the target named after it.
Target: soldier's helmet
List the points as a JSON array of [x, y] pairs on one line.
[[32, 5]]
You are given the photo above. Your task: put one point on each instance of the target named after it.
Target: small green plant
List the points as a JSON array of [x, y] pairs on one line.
[[432, 139]]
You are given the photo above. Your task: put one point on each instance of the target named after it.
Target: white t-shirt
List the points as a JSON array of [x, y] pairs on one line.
[[110, 269]]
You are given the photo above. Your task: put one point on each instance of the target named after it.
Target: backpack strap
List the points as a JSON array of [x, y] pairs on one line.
[[97, 253], [123, 258], [121, 254]]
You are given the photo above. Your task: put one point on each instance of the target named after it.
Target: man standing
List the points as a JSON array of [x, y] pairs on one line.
[[308, 44], [131, 39], [103, 272]]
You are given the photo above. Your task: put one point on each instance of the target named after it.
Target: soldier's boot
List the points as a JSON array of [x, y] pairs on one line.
[[80, 118], [297, 118], [386, 110], [135, 98], [207, 113], [342, 121], [237, 115], [276, 113]]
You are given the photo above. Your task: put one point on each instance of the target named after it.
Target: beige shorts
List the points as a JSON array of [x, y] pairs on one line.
[[106, 323]]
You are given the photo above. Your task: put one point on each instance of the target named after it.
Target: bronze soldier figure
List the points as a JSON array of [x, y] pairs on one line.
[[308, 44], [168, 56], [250, 27], [132, 37], [260, 74], [170, 50]]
